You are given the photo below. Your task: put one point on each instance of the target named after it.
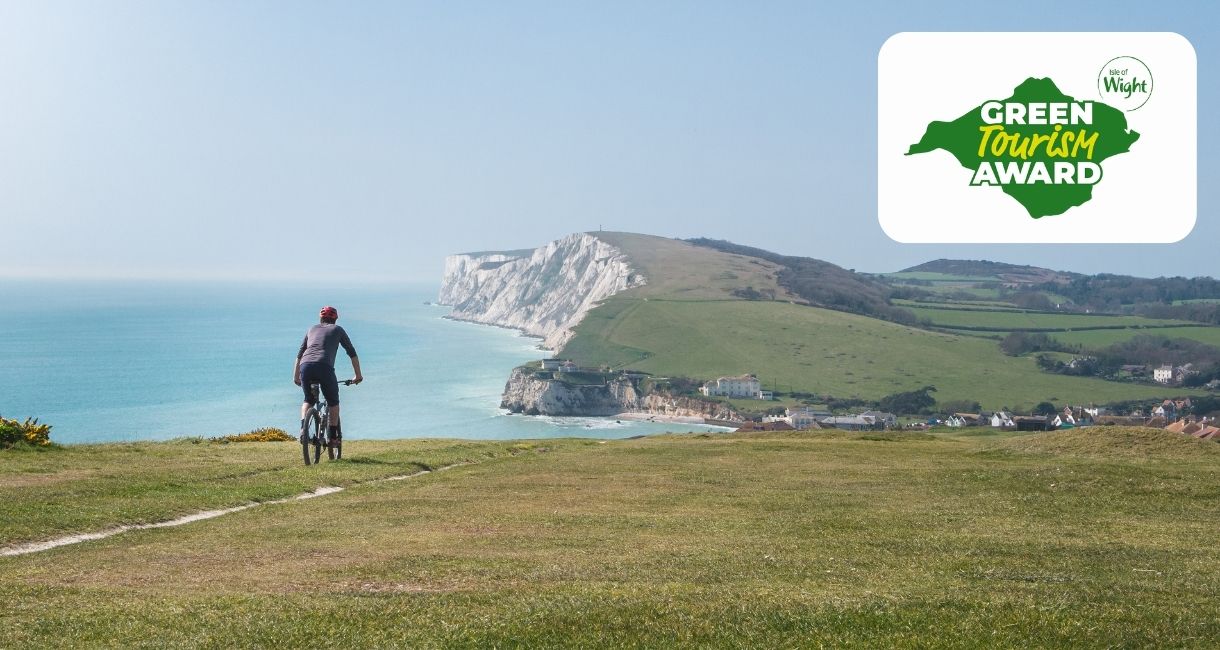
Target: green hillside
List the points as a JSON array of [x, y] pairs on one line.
[[692, 320], [807, 349]]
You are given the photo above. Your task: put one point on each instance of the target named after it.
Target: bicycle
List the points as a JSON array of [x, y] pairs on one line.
[[315, 431]]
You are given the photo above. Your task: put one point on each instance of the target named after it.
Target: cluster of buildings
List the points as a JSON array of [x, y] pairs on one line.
[[560, 365], [1171, 374], [1005, 420], [809, 418], [1203, 429]]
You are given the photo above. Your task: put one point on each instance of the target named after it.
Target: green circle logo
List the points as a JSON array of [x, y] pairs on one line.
[[1125, 83]]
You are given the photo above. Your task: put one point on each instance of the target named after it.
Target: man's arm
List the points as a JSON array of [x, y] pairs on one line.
[[296, 365], [351, 353]]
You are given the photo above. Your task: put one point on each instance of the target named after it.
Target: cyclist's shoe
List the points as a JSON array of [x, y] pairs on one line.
[[334, 440]]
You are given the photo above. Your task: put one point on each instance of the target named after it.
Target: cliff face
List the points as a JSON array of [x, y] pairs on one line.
[[545, 292], [525, 393]]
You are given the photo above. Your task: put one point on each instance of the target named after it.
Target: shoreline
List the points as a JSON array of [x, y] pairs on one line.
[[520, 332], [639, 416]]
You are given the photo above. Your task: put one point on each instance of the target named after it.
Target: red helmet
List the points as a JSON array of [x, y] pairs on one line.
[[329, 312]]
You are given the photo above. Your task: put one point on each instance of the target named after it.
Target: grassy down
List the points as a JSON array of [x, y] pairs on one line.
[[82, 488], [828, 539], [1101, 338], [794, 347], [1008, 319], [677, 270]]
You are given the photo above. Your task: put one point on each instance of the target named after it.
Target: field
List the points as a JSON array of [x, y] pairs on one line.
[[677, 270], [1009, 320], [1075, 539], [939, 278], [799, 348], [1101, 338]]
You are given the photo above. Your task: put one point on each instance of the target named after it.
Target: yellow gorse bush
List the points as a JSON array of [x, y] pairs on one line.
[[265, 434], [30, 432]]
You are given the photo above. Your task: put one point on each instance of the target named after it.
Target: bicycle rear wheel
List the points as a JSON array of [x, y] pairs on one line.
[[319, 439]]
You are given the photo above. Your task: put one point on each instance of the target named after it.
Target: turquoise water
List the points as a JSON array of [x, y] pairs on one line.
[[142, 360]]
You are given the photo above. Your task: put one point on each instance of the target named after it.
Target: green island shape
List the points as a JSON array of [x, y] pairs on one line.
[[961, 139]]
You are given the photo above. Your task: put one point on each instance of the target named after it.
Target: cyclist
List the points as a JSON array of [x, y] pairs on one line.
[[315, 364]]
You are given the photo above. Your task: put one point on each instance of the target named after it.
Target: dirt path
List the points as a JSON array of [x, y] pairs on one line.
[[37, 547]]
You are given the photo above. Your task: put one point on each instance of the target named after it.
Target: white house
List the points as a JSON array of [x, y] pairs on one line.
[[962, 420], [746, 386], [1164, 374], [1002, 419], [552, 364]]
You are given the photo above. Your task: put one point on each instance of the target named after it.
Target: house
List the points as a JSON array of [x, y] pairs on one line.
[[568, 366], [804, 418], [552, 364], [1001, 419], [964, 420], [1068, 416], [1032, 423], [1180, 373], [746, 386], [1163, 375], [1179, 426], [880, 419], [848, 423], [766, 394]]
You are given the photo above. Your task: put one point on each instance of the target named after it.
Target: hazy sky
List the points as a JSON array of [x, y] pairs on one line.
[[266, 139]]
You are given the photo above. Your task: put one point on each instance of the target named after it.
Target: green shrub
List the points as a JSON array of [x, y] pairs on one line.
[[265, 434], [30, 432]]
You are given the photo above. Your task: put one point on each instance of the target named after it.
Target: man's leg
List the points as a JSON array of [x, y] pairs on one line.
[[305, 406], [336, 431]]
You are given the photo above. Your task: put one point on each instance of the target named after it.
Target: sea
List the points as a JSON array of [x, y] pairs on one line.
[[106, 361]]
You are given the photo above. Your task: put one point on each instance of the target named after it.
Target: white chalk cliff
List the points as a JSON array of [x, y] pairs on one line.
[[545, 292]]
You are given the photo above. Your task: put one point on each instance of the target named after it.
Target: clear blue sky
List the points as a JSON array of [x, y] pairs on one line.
[[231, 139]]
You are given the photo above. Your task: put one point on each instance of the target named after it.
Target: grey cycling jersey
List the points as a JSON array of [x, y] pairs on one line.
[[321, 343]]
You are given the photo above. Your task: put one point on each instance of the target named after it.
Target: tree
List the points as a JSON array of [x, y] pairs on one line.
[[1045, 408], [910, 402]]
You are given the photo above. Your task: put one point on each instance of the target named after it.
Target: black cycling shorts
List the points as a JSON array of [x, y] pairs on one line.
[[320, 373]]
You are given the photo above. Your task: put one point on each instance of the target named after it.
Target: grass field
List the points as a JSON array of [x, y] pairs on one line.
[[1101, 338], [1013, 320], [939, 277], [677, 270], [1073, 539], [794, 347]]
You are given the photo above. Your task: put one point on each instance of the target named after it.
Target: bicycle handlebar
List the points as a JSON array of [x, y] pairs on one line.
[[348, 382]]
